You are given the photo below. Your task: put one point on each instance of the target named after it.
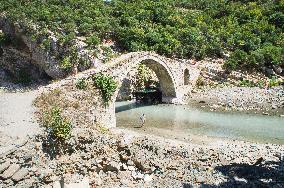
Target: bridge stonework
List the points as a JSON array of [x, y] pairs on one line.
[[176, 78]]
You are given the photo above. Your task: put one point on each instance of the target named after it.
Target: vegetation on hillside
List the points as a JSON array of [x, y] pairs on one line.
[[250, 31]]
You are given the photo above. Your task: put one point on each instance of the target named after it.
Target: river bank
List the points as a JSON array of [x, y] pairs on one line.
[[123, 158], [242, 99]]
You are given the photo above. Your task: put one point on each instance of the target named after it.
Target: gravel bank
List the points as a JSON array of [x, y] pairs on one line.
[[257, 100]]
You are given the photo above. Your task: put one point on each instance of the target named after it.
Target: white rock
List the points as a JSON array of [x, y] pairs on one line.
[[240, 179], [131, 168], [148, 178], [83, 184], [56, 185]]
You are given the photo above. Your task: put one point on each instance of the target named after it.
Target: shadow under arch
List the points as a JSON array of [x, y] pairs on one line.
[[186, 77], [164, 75]]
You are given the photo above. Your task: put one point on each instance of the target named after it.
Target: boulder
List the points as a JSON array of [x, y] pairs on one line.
[[10, 171], [4, 166], [277, 69], [21, 174], [269, 72]]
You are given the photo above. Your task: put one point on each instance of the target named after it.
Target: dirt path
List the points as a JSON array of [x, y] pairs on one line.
[[17, 119]]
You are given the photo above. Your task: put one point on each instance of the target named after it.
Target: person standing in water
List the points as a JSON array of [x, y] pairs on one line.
[[142, 120]]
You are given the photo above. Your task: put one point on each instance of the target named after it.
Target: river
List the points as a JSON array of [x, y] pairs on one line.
[[182, 120]]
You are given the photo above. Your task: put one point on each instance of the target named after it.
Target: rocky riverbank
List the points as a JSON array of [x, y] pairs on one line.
[[126, 159], [123, 158], [219, 90], [232, 98]]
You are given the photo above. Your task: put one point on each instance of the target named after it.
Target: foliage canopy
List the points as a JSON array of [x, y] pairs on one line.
[[251, 30]]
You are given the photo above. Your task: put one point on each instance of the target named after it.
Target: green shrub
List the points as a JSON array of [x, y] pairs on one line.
[[93, 40], [107, 86], [256, 59], [57, 126], [260, 84], [247, 83], [81, 84], [58, 129], [236, 60], [274, 82], [272, 54], [66, 64], [200, 81]]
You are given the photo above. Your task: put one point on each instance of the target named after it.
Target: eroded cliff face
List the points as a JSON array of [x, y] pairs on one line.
[[24, 56], [21, 56], [19, 65]]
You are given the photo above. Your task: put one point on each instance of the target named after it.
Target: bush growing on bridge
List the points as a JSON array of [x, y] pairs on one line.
[[107, 86], [143, 77], [58, 128]]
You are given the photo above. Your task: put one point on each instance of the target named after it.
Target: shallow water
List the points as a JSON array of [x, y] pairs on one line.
[[185, 119]]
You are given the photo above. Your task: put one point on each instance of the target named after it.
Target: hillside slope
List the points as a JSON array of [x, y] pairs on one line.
[[249, 32]]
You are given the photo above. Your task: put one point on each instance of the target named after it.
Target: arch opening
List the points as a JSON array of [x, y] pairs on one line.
[[186, 77], [127, 111], [158, 79]]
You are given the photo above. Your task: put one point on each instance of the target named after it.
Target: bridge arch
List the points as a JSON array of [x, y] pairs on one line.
[[160, 68]]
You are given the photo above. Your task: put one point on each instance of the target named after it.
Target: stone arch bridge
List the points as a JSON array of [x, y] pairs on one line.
[[176, 79]]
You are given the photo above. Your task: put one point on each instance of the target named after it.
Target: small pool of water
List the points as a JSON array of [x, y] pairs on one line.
[[250, 127]]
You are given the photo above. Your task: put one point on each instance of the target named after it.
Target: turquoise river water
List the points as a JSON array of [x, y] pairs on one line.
[[185, 119]]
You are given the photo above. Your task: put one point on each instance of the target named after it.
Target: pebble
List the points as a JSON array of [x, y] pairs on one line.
[[200, 179], [243, 180], [148, 178]]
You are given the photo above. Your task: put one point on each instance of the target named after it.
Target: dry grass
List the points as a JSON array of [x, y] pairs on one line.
[[76, 105]]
